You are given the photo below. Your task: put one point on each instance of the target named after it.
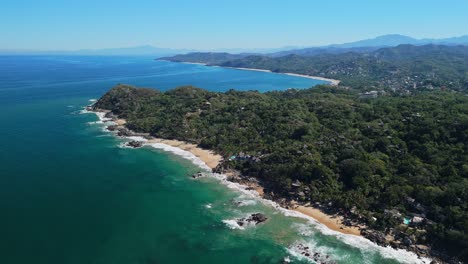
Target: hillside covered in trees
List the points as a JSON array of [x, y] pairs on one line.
[[383, 159], [402, 69]]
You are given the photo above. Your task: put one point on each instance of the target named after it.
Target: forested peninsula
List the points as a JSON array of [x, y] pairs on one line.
[[398, 164], [402, 70]]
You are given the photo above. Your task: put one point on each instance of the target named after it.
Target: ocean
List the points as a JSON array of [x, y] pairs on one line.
[[71, 194]]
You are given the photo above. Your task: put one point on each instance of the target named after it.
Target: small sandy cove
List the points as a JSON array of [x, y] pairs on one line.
[[212, 160], [333, 222], [209, 157]]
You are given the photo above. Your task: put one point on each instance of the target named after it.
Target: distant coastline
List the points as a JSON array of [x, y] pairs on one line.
[[332, 82]]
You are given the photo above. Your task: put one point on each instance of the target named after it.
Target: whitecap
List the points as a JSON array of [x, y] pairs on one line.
[[232, 224], [182, 153], [362, 243], [136, 138], [247, 202]]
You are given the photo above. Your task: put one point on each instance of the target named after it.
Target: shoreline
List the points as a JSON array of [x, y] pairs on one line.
[[212, 160], [332, 82], [208, 160]]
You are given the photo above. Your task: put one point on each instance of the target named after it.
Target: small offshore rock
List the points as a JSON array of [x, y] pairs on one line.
[[255, 219], [112, 127], [135, 144], [197, 175]]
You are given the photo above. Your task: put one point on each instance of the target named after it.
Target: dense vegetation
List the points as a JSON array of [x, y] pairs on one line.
[[399, 69], [402, 153], [205, 57]]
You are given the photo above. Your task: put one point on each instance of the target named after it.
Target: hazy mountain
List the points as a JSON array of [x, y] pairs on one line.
[[369, 45], [395, 40], [360, 46], [134, 51]]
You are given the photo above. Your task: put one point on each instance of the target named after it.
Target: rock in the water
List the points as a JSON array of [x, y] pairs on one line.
[[255, 219], [135, 144], [112, 127], [197, 175], [259, 218]]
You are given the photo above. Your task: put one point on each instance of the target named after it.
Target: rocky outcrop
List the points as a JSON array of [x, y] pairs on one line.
[[124, 132], [375, 236], [112, 127], [110, 115], [135, 144], [197, 175], [309, 253], [253, 219]]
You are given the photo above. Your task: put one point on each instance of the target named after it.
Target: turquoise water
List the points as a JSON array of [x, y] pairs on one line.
[[70, 194]]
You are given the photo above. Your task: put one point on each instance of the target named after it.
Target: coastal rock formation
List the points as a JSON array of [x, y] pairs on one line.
[[197, 175], [317, 257], [254, 219], [112, 128], [110, 115], [124, 132], [135, 144], [375, 236]]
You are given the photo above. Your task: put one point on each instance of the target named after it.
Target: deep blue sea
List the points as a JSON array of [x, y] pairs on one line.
[[70, 194]]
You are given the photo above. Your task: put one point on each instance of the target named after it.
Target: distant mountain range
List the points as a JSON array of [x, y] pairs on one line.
[[401, 67], [395, 40], [360, 46], [368, 45], [146, 50]]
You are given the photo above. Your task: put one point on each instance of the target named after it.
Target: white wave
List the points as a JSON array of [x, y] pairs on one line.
[[85, 111], [248, 202], [366, 246], [92, 100], [135, 138], [182, 153], [208, 206], [303, 229], [124, 145], [362, 243], [232, 224], [321, 254]]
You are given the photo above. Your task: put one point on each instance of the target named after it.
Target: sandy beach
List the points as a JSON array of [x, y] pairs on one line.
[[208, 157], [196, 63], [248, 69], [331, 81], [212, 160], [333, 222]]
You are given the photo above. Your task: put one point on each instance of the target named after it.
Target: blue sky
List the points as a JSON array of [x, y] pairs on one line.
[[203, 24]]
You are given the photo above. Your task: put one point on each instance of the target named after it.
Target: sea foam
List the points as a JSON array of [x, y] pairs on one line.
[[232, 224], [182, 153]]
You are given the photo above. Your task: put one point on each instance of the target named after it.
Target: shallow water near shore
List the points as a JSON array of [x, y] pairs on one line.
[[71, 194]]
